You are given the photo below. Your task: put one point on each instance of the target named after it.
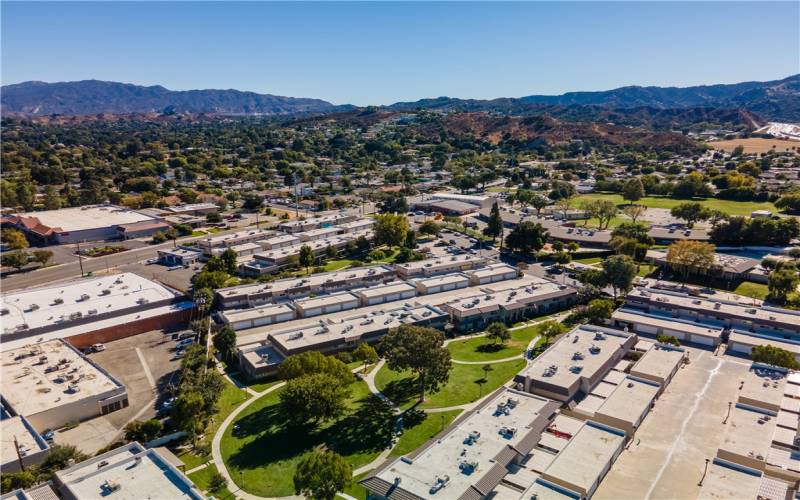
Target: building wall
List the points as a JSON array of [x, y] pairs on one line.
[[124, 330], [102, 233], [78, 411]]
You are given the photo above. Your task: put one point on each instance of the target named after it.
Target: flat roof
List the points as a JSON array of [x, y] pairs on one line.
[[763, 387], [278, 253], [728, 263], [180, 252], [658, 362], [386, 289], [138, 474], [657, 320], [191, 207], [60, 304], [29, 441], [510, 298], [585, 346], [239, 235], [584, 459], [352, 327], [29, 390], [629, 400], [87, 217], [312, 281], [326, 300], [752, 340], [315, 220], [492, 270], [443, 279], [441, 263], [237, 315], [444, 457], [280, 238], [727, 481], [749, 433]]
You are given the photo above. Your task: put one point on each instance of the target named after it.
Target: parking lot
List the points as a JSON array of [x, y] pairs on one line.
[[682, 431], [144, 364]]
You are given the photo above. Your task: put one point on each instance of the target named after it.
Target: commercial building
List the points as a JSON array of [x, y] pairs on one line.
[[329, 335], [87, 223], [20, 436], [241, 250], [659, 364], [729, 481], [471, 458], [91, 310], [272, 260], [299, 226], [318, 234], [388, 292], [653, 325], [492, 274], [319, 283], [730, 267], [483, 202], [192, 209], [270, 314], [442, 283], [620, 401], [181, 256], [742, 343], [576, 363], [279, 241], [326, 304], [447, 207], [206, 245], [442, 265], [52, 384], [41, 492], [509, 304], [130, 472]]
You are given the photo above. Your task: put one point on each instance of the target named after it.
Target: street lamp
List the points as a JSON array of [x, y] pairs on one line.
[[704, 474], [729, 413]]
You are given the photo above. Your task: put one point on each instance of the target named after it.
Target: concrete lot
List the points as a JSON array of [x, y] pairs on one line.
[[179, 279], [666, 457], [144, 364]]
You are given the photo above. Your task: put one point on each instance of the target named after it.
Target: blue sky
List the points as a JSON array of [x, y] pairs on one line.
[[382, 52]]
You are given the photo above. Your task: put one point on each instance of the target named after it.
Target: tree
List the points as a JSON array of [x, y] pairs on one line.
[[216, 482], [313, 398], [783, 280], [16, 259], [213, 217], [668, 339], [225, 342], [366, 353], [14, 239], [187, 412], [619, 272], [52, 200], [691, 212], [634, 211], [229, 260], [603, 210], [306, 256], [430, 227], [775, 356], [18, 480], [420, 350], [313, 362], [494, 227], [687, 257], [539, 202], [599, 310], [143, 432], [498, 332], [633, 190], [60, 456], [564, 205], [390, 229], [411, 240], [321, 475], [330, 251], [393, 203], [526, 238], [550, 329]]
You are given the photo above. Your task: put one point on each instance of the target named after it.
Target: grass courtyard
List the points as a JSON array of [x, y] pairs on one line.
[[415, 436], [202, 479], [484, 349], [728, 206], [466, 384], [261, 450]]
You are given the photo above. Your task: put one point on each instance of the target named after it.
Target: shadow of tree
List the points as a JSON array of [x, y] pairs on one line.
[[402, 390], [489, 348]]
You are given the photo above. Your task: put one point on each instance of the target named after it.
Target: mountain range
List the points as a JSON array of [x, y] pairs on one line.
[[777, 100]]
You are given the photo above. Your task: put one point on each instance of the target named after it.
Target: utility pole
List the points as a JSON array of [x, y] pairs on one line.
[[296, 198], [19, 455], [80, 261]]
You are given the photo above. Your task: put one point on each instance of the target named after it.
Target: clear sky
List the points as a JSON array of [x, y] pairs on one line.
[[382, 52]]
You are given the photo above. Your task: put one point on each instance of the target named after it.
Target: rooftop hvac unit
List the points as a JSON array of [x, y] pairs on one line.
[[594, 349], [4, 311], [576, 369], [92, 312], [33, 307], [105, 291], [84, 296]]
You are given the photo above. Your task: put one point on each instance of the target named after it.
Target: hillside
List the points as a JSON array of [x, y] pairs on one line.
[[91, 97], [777, 100]]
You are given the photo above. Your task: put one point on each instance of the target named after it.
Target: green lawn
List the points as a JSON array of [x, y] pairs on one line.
[[335, 265], [203, 477], [594, 223], [483, 349], [646, 269], [263, 386], [414, 437], [190, 459], [390, 257], [727, 206], [589, 260], [262, 447], [466, 384], [750, 289]]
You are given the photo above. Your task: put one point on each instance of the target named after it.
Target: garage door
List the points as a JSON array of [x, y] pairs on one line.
[[740, 348], [652, 330], [702, 339]]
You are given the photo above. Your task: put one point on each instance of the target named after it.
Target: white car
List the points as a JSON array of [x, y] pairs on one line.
[[98, 348]]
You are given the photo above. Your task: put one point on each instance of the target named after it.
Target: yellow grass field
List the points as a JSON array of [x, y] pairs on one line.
[[757, 145]]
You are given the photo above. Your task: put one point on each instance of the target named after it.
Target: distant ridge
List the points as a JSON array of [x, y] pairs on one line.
[[90, 97]]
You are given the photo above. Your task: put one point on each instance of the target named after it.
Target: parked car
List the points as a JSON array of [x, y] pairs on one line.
[[98, 348], [48, 435]]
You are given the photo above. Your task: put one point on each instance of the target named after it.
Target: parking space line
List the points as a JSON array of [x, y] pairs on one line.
[[146, 368]]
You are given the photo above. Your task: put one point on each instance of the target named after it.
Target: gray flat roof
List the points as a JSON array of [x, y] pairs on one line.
[[657, 320], [87, 217], [658, 362]]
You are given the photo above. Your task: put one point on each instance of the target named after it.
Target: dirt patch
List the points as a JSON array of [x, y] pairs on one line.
[[757, 145]]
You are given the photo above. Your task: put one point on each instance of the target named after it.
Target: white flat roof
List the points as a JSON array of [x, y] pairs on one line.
[[629, 400], [441, 263], [54, 304], [237, 315], [658, 362], [723, 481], [326, 300], [632, 315], [510, 298], [87, 217], [29, 441], [444, 279], [140, 474], [231, 237], [492, 270], [386, 289], [29, 390], [443, 457]]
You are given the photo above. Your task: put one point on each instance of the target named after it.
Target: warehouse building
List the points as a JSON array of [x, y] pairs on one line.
[[471, 458], [192, 209], [52, 384], [727, 480], [279, 241], [87, 223], [91, 310], [483, 202], [653, 325], [442, 265], [492, 274], [319, 283], [20, 443], [130, 472], [576, 363], [659, 364], [270, 314], [742, 343], [509, 304], [272, 260], [261, 358], [318, 234], [443, 283], [619, 401], [731, 267], [180, 256], [326, 304], [446, 207]]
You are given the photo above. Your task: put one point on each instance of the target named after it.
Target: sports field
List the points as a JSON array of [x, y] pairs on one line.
[[728, 206]]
